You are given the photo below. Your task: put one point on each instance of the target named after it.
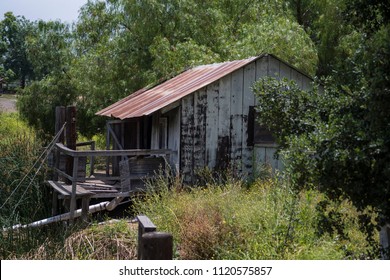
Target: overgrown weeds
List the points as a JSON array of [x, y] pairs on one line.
[[266, 220], [23, 196]]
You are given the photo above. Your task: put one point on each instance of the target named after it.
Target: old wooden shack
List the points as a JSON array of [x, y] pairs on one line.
[[204, 115]]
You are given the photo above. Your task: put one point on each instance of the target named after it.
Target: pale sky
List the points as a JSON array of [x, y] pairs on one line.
[[64, 10]]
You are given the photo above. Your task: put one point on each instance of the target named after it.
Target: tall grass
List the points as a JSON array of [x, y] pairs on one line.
[[266, 220], [23, 196]]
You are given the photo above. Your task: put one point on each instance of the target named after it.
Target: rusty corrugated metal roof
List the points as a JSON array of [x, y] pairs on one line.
[[146, 101]]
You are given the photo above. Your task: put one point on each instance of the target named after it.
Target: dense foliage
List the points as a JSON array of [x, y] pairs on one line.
[[336, 138], [117, 47]]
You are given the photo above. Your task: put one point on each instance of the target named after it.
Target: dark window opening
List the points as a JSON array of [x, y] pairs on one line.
[[257, 133]]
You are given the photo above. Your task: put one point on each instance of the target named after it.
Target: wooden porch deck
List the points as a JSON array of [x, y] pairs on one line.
[[136, 166]]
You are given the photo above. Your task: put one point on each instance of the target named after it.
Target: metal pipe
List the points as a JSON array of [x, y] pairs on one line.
[[106, 205]]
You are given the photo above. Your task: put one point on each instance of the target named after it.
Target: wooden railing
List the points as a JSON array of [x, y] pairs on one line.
[[75, 155]]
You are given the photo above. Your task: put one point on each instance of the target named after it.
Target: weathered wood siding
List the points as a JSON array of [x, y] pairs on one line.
[[210, 127], [174, 137], [187, 138]]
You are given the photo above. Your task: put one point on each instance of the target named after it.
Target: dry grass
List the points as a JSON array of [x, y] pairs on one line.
[[115, 240], [204, 231]]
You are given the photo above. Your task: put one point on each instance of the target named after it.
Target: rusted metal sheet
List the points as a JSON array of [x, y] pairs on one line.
[[147, 101]]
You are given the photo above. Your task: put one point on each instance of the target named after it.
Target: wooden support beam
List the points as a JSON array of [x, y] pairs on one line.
[[59, 123], [74, 186], [71, 136]]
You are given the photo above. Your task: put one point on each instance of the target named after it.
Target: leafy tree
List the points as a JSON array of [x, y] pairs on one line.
[[39, 99], [13, 32], [48, 48], [337, 139]]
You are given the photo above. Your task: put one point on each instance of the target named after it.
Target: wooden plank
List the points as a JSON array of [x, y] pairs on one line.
[[265, 155], [71, 135], [247, 101], [270, 157], [155, 137], [108, 144], [114, 136], [114, 194], [112, 153], [224, 107], [174, 137], [200, 108], [66, 190], [236, 103], [262, 69], [259, 159], [285, 71], [306, 83], [170, 107], [74, 186], [186, 143], [274, 67], [297, 77], [212, 124]]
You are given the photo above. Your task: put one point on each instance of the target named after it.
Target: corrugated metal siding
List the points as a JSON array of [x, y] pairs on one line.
[[146, 101]]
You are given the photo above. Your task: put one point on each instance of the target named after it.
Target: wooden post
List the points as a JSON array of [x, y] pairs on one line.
[[71, 136], [74, 185], [145, 225], [92, 160], [59, 123], [157, 246], [85, 208], [60, 120], [108, 148]]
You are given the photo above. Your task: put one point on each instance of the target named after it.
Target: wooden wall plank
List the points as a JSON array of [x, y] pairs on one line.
[[247, 101], [174, 137], [154, 144], [306, 83], [223, 146], [297, 77], [186, 143], [200, 108], [236, 103], [285, 70], [262, 69], [274, 67], [258, 159], [212, 124]]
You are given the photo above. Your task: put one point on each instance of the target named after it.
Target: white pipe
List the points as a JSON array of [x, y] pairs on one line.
[[106, 205]]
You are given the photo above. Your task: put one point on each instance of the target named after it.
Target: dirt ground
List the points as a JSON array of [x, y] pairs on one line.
[[7, 103]]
